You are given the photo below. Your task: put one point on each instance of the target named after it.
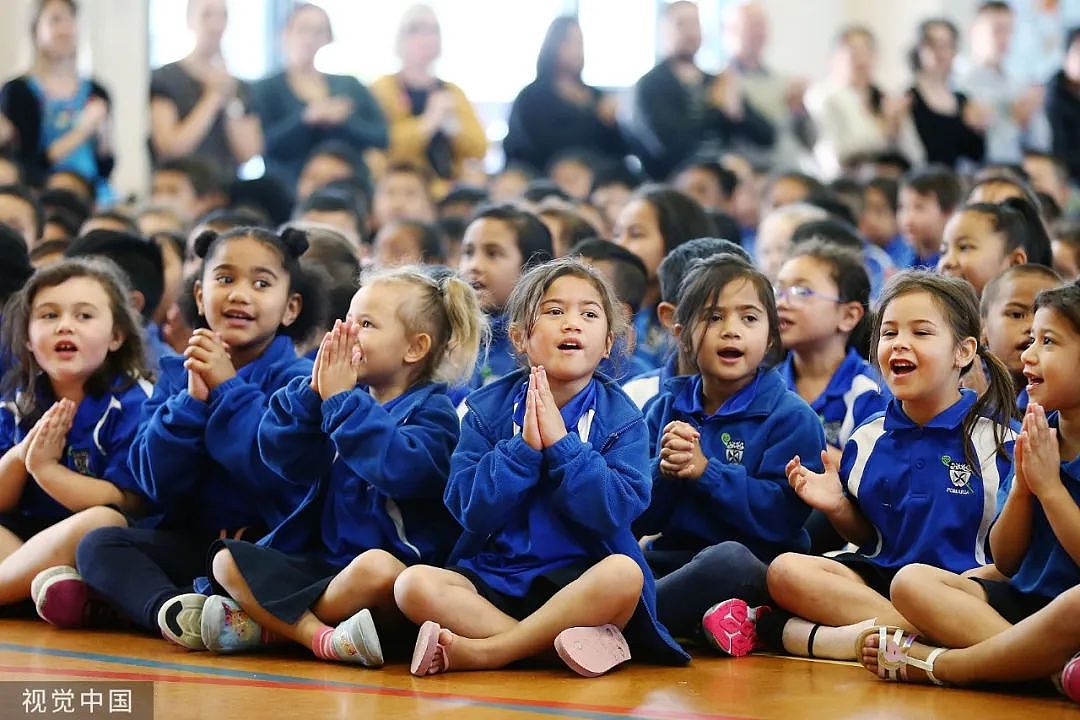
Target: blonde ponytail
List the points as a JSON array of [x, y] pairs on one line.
[[468, 331]]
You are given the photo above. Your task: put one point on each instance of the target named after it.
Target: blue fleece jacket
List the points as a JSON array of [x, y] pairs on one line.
[[744, 495], [1047, 569], [597, 484], [97, 445], [373, 474], [199, 461]]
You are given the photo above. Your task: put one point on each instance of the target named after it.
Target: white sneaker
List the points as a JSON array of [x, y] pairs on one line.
[[180, 620], [355, 640]]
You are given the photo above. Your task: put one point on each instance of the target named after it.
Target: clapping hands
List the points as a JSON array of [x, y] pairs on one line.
[[543, 424]]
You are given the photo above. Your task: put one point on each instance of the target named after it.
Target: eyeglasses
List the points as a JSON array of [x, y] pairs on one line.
[[799, 294]]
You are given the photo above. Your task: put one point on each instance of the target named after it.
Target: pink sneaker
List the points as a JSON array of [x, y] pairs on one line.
[[731, 627], [1070, 679], [592, 651], [61, 597]]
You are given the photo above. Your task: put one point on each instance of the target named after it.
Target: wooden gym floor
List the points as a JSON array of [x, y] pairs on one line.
[[285, 685]]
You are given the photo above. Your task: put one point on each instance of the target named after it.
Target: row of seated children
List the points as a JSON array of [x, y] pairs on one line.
[[720, 331]]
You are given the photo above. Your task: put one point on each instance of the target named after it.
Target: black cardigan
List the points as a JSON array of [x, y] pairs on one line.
[[666, 132], [542, 124], [20, 105]]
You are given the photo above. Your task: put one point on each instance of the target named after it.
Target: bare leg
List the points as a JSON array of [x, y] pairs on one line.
[[367, 582], [607, 593], [1037, 647], [826, 592], [9, 543], [932, 599], [55, 545], [429, 593]]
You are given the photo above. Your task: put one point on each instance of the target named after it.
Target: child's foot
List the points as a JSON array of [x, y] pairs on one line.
[[226, 628], [60, 596], [902, 659], [353, 641], [731, 627], [592, 651], [432, 652], [180, 620], [1070, 679]]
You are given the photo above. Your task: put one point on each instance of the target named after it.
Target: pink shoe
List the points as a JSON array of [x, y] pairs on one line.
[[592, 651], [731, 627], [1070, 679], [428, 650], [61, 597]]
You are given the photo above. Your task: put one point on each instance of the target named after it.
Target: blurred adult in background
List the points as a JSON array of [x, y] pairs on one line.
[[1063, 106], [302, 107], [557, 111], [59, 120], [680, 110], [778, 98], [952, 127], [197, 107], [1016, 118], [853, 118], [431, 122]]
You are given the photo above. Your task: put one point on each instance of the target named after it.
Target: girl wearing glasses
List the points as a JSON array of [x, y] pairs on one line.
[[721, 506], [822, 294]]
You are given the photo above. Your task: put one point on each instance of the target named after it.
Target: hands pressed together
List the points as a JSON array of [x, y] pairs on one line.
[[1037, 457], [543, 424], [338, 360], [208, 363], [44, 445]]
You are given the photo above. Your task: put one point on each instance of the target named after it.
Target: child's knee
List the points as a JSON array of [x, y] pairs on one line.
[[94, 548], [100, 517], [224, 568], [911, 583], [731, 557], [414, 590], [621, 575], [784, 574], [377, 569]]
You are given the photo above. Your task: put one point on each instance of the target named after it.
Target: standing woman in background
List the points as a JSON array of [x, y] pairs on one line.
[[196, 106], [558, 111], [59, 120], [950, 125], [431, 122], [301, 107]]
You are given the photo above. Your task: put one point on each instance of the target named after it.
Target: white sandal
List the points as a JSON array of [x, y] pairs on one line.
[[892, 655]]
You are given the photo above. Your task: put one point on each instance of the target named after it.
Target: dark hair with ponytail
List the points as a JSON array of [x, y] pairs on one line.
[[1019, 222], [957, 302], [290, 245]]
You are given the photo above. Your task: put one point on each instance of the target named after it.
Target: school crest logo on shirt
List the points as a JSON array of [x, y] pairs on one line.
[[80, 460], [733, 448], [959, 476]]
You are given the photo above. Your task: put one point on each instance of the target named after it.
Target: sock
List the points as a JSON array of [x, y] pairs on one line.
[[805, 639], [770, 628], [322, 644]]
